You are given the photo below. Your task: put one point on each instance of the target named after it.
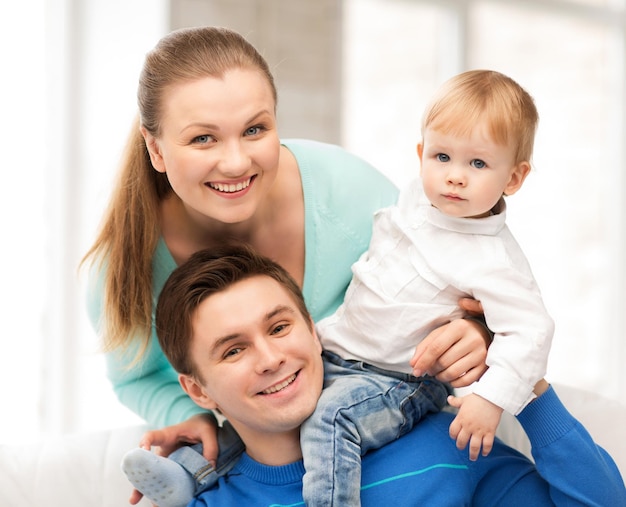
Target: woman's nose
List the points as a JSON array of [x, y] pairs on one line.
[[234, 160]]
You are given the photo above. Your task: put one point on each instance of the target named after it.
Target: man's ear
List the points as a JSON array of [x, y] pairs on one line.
[[196, 392], [315, 337], [518, 175], [154, 150]]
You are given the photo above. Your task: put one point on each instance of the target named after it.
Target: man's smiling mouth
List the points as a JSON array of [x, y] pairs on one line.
[[280, 386]]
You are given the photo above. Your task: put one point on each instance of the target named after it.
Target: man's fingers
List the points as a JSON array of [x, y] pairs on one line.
[[210, 449], [427, 352], [135, 497], [467, 378], [471, 306]]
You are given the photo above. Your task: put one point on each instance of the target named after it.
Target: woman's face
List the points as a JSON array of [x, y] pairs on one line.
[[218, 144]]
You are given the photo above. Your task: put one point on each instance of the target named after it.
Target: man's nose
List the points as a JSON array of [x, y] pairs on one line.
[[270, 355]]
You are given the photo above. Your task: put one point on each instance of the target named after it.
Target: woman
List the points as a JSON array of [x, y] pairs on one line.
[[204, 167]]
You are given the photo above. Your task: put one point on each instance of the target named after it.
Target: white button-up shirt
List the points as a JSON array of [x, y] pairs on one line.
[[419, 264]]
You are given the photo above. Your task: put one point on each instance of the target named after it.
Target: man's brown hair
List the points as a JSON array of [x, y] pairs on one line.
[[208, 272]]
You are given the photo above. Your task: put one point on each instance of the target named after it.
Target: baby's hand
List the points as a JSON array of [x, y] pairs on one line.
[[475, 424]]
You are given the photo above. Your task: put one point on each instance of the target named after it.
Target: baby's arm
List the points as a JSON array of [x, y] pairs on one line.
[[475, 424]]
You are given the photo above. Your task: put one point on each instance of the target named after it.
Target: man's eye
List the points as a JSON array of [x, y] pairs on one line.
[[442, 157], [478, 164], [232, 352], [280, 328]]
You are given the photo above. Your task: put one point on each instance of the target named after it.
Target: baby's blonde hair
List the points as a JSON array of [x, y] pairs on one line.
[[485, 95]]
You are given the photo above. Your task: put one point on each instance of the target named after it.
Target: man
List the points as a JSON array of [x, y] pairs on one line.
[[235, 326]]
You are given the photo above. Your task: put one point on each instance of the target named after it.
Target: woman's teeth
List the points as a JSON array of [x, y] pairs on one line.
[[281, 386], [221, 187]]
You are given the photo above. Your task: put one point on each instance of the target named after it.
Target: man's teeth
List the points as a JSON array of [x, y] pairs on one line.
[[281, 386], [230, 188]]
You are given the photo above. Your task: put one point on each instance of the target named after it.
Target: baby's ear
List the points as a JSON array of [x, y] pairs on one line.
[[196, 392], [420, 153], [420, 150], [518, 175]]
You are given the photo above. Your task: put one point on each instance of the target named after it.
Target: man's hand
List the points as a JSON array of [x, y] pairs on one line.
[[454, 353]]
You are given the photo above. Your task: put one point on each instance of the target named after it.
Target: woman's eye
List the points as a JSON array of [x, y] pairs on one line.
[[442, 157], [253, 131], [201, 139], [478, 164]]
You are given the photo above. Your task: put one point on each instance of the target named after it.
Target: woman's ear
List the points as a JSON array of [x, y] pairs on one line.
[[518, 175], [196, 392], [154, 150]]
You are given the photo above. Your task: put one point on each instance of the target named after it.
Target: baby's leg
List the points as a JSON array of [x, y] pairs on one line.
[[360, 409], [161, 480], [174, 481]]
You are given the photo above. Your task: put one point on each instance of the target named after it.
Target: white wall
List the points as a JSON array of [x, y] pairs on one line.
[[67, 96]]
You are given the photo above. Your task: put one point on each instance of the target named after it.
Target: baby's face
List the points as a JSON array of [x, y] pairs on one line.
[[465, 176]]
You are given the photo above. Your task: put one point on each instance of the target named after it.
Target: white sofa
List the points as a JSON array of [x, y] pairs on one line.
[[83, 470]]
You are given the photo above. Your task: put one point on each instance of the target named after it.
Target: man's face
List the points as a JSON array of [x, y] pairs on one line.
[[259, 359]]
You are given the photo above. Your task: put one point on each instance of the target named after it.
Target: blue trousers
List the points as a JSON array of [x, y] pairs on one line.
[[362, 407]]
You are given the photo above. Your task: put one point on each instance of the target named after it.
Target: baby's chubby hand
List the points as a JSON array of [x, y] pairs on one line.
[[475, 424]]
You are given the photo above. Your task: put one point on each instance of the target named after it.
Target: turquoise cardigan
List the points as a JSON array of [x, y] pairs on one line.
[[341, 193]]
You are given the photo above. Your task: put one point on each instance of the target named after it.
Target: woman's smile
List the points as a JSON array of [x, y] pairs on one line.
[[232, 188]]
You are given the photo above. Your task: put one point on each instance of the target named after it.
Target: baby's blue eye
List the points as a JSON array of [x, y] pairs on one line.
[[478, 164], [442, 157]]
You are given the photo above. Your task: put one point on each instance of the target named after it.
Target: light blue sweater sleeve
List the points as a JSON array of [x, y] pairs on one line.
[[341, 192], [149, 388]]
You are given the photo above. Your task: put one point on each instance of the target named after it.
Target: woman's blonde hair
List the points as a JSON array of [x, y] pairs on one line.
[[485, 95], [126, 242]]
